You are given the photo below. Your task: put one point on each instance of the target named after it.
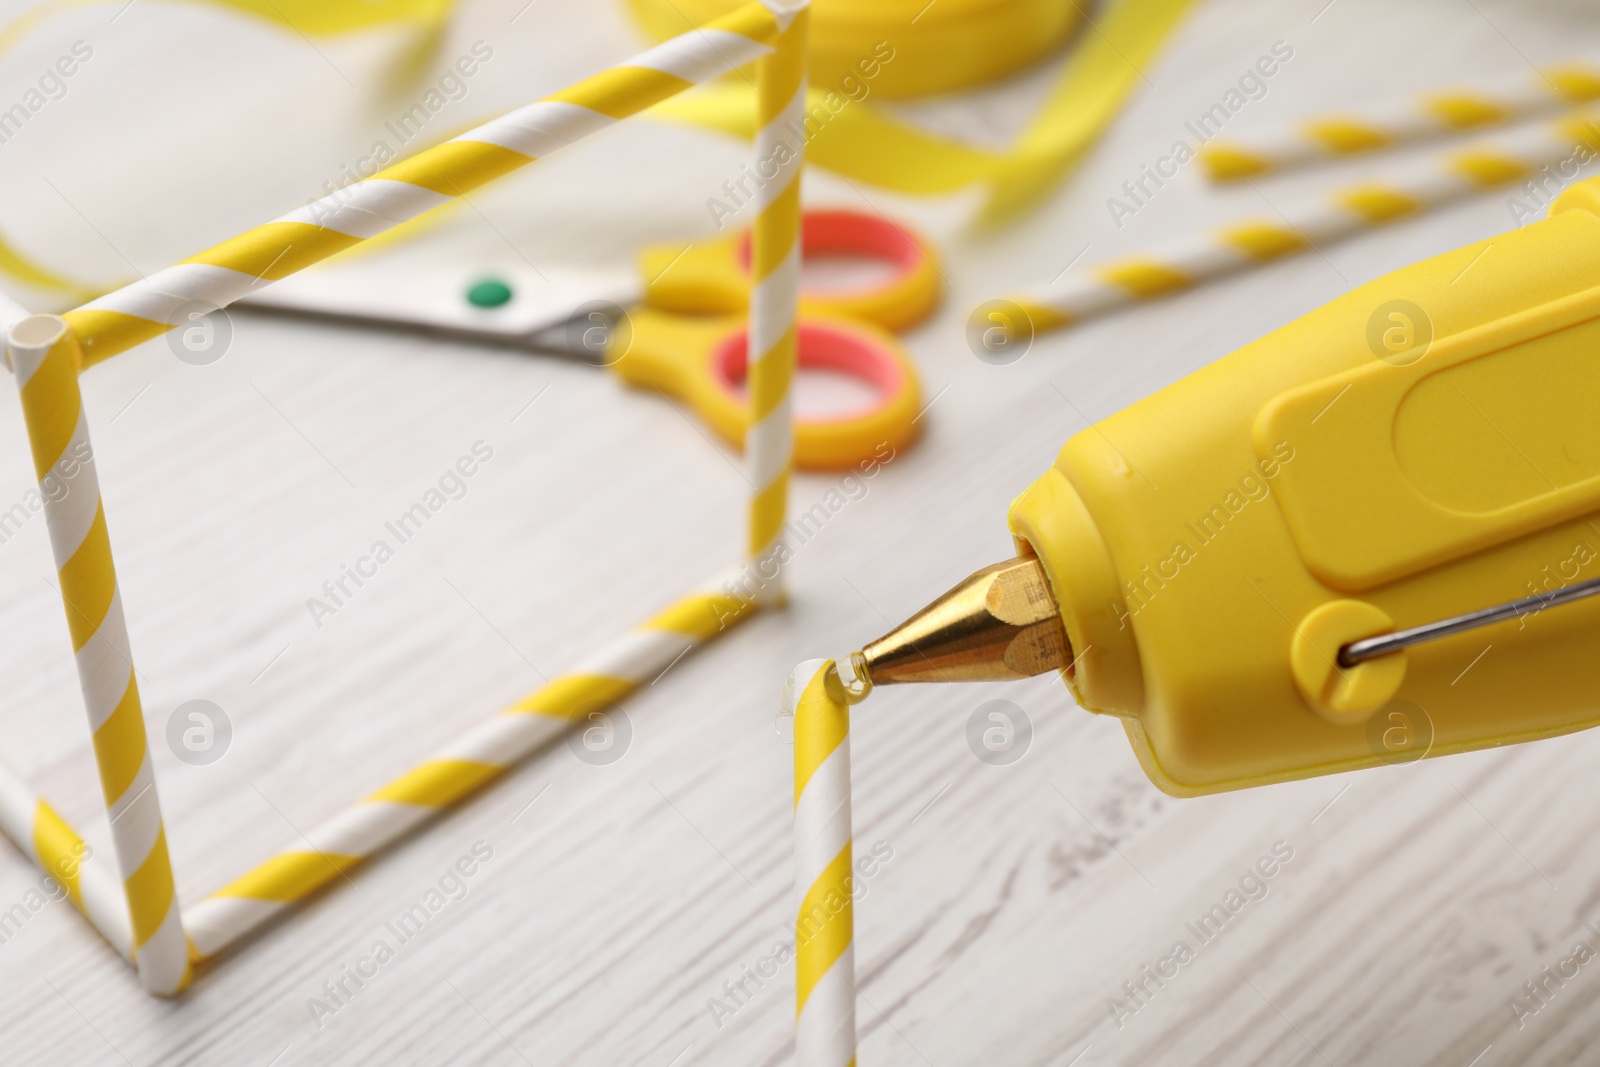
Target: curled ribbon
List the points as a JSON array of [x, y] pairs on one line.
[[865, 142], [306, 17]]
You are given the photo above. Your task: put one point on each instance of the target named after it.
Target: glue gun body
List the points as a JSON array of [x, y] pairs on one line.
[[1369, 537], [1422, 447]]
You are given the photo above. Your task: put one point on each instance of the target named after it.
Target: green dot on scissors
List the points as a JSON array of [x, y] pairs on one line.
[[489, 293]]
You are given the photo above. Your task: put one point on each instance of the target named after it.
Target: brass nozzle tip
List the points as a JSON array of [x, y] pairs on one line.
[[999, 624]]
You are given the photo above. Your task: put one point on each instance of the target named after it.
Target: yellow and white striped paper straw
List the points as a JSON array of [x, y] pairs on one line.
[[473, 760], [775, 278], [1509, 158], [824, 951], [45, 838], [217, 277], [44, 355], [1429, 115]]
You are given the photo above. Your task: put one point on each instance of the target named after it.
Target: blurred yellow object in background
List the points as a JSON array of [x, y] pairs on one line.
[[940, 47], [343, 16]]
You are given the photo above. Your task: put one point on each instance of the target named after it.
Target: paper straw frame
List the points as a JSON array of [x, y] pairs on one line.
[[135, 906]]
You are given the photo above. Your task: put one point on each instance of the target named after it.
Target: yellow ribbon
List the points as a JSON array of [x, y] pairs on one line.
[[858, 141], [16, 265], [310, 17], [943, 46], [1091, 90], [864, 142]]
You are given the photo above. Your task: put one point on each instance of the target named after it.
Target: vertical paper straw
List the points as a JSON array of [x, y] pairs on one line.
[[1429, 115], [44, 355], [476, 758], [824, 953], [1180, 265], [775, 278], [44, 837], [217, 277]]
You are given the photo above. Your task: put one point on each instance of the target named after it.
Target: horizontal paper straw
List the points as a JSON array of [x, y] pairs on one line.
[[58, 850], [1180, 265], [472, 761], [217, 277], [824, 949], [1430, 115]]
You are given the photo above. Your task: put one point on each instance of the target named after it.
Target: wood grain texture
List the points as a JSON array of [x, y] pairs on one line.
[[620, 899]]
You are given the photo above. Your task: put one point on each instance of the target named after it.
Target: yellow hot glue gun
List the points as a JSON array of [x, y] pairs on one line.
[[1372, 535]]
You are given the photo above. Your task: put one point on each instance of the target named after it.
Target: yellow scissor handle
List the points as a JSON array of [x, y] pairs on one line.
[[701, 361], [713, 278]]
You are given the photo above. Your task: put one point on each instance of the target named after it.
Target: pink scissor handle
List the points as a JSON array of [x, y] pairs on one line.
[[898, 302], [854, 349]]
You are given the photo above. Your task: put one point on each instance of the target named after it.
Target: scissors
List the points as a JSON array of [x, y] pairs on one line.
[[686, 335]]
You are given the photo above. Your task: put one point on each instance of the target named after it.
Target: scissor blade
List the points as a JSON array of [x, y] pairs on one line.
[[434, 299]]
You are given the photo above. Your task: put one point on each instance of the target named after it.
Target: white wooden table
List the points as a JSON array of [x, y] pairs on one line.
[[620, 899]]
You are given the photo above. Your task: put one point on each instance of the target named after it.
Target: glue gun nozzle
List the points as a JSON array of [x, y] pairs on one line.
[[999, 624]]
